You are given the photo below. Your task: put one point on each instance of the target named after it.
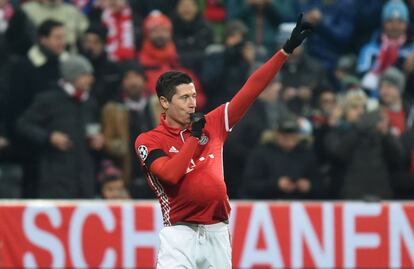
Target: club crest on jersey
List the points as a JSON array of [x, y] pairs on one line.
[[143, 152], [203, 140]]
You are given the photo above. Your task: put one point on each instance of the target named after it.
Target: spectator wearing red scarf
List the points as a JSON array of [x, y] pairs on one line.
[[159, 54]]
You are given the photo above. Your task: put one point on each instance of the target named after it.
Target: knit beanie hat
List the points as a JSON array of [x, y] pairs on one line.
[[75, 66], [395, 77], [155, 19], [395, 9]]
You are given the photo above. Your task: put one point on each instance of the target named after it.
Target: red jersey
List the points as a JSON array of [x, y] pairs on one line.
[[200, 196], [189, 181]]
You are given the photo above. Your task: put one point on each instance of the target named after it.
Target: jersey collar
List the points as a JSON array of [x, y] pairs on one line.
[[164, 123]]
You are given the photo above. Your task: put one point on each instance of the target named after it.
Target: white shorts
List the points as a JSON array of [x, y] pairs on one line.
[[195, 246]]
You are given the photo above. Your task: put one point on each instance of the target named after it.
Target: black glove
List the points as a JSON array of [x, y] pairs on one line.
[[301, 31], [197, 124]]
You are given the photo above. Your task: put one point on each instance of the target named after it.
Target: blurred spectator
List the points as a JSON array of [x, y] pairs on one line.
[[145, 7], [400, 113], [335, 22], [123, 121], [41, 67], [326, 105], [282, 168], [106, 72], [262, 116], [364, 28], [404, 179], [362, 151], [390, 47], [288, 10], [11, 172], [159, 54], [118, 18], [85, 5], [16, 30], [112, 182], [191, 34], [300, 76], [262, 19], [75, 22], [227, 66], [64, 124], [41, 73], [215, 13], [345, 74]]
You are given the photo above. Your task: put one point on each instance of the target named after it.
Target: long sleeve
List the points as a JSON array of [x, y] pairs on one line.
[[172, 170], [256, 83]]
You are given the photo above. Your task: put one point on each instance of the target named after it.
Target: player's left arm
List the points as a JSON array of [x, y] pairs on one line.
[[258, 81]]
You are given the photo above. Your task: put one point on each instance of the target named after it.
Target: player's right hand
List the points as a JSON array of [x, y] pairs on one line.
[[197, 124]]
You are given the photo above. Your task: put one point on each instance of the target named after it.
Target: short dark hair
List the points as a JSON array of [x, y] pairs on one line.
[[167, 83], [46, 27]]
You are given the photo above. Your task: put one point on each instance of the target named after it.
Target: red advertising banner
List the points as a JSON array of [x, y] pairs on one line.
[[56, 234]]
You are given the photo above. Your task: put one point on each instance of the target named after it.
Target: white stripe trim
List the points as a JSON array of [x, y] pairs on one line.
[[226, 118], [162, 196]]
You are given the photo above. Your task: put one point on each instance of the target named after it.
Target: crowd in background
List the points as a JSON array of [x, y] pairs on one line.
[[77, 85]]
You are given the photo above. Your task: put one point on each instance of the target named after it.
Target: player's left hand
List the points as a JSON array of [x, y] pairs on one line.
[[301, 31]]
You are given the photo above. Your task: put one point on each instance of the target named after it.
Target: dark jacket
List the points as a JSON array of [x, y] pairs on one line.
[[244, 137], [61, 174], [191, 39], [363, 161], [107, 79], [224, 73], [267, 163]]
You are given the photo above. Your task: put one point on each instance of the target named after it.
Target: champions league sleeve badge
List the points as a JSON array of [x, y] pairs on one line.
[[143, 152]]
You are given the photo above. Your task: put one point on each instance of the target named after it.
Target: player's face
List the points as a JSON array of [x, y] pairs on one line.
[[182, 104]]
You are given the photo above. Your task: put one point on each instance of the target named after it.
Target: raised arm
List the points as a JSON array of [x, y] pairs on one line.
[[259, 80]]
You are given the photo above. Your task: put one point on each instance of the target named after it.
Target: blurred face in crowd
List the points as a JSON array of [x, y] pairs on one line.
[[56, 41], [133, 84], [159, 36], [92, 45], [395, 28], [187, 9], [287, 141], [115, 5], [234, 39], [389, 93], [327, 102], [114, 189], [84, 82], [353, 112], [182, 104]]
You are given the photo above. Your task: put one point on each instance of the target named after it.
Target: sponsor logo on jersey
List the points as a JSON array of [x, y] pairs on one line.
[[173, 150]]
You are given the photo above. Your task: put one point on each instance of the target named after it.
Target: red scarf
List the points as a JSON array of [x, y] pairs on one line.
[[390, 50], [120, 41], [168, 54]]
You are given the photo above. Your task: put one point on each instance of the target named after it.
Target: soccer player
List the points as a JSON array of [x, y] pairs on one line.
[[182, 158]]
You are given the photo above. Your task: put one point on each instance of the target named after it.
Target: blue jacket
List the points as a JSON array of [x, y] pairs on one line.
[[370, 51]]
